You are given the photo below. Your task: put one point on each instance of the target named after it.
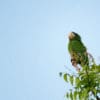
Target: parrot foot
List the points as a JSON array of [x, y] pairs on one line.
[[74, 63], [78, 69]]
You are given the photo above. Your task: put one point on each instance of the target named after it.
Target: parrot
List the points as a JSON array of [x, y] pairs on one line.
[[77, 51]]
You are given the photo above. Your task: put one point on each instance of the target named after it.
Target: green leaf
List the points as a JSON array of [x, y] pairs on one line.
[[77, 81], [65, 77], [75, 95], [94, 91], [71, 95], [80, 96], [85, 94], [67, 95], [71, 80]]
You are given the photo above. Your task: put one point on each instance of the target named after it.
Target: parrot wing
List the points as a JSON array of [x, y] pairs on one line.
[[76, 46]]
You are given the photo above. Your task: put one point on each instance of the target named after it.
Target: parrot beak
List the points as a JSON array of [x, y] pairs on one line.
[[71, 35]]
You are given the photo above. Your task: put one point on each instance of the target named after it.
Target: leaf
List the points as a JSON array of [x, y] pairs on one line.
[[60, 74], [94, 91], [85, 94], [71, 95], [80, 96], [75, 95], [65, 77], [71, 80], [67, 95], [77, 81]]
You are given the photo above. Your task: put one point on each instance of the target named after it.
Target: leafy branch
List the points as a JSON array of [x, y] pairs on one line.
[[86, 85]]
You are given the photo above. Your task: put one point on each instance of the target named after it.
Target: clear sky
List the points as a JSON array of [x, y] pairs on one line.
[[33, 46]]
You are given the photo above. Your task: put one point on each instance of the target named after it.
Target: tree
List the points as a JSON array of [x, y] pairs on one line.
[[86, 83]]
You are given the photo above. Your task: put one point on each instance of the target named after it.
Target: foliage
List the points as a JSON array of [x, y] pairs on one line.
[[86, 84]]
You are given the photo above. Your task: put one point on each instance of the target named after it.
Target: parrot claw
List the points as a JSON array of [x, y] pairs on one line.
[[74, 63], [78, 69]]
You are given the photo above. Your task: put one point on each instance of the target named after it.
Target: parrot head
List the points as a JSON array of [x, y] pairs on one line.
[[73, 35]]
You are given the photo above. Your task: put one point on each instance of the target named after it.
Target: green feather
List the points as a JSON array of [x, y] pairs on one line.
[[76, 46], [77, 50]]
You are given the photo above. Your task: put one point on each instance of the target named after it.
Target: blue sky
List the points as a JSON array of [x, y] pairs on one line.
[[34, 45]]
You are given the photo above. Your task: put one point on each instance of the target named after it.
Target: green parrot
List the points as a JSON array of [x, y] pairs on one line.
[[77, 50]]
